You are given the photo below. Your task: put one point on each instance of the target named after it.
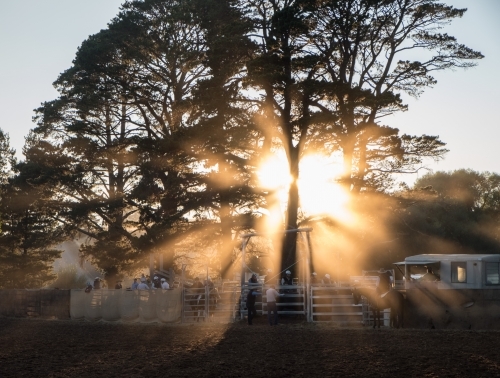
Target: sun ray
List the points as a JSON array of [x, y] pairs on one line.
[[320, 193]]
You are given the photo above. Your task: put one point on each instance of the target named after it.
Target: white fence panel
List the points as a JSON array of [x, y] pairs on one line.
[[126, 305], [329, 303]]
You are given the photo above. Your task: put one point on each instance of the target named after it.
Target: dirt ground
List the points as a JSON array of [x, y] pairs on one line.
[[50, 348]]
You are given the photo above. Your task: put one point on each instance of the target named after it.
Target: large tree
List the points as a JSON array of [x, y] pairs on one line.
[[153, 137], [327, 71], [151, 148]]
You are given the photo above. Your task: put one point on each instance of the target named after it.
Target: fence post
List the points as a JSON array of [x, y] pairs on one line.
[[207, 298], [183, 296]]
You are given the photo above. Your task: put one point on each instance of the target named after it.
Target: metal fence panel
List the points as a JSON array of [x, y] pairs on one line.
[[329, 303], [35, 303]]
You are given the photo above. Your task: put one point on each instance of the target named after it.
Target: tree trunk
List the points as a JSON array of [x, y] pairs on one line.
[[289, 248]]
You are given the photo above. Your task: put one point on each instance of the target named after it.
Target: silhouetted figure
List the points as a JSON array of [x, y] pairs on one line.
[[384, 283], [97, 283], [252, 312], [118, 285], [156, 283], [287, 279], [198, 294]]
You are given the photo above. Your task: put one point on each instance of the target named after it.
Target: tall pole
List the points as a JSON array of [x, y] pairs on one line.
[[182, 292], [243, 256]]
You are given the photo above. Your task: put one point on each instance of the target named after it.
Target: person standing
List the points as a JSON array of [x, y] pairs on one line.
[[198, 293], [252, 312], [164, 284], [384, 282], [118, 285], [271, 296], [143, 285], [287, 279], [156, 283], [135, 284], [314, 278]]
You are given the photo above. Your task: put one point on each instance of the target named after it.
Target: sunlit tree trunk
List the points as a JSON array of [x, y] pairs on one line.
[[289, 249]]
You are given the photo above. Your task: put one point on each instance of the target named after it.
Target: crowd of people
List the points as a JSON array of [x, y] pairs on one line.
[[142, 283]]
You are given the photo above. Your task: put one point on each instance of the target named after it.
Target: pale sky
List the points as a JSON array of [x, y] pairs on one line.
[[39, 39]]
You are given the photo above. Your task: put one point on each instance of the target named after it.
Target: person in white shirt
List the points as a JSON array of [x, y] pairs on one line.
[[164, 284], [143, 285], [271, 295]]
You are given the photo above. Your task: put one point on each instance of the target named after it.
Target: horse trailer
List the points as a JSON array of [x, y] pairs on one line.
[[463, 290]]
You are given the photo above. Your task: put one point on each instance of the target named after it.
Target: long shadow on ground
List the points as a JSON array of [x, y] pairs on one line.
[[41, 348]]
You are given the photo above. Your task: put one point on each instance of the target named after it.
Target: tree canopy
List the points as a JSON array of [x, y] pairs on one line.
[[164, 118]]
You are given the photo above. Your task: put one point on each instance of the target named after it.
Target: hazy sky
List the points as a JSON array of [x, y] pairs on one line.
[[39, 39]]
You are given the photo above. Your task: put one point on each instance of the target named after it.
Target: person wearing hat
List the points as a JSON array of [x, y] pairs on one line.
[[314, 278], [287, 279], [118, 285], [253, 280], [143, 285], [164, 284], [156, 283]]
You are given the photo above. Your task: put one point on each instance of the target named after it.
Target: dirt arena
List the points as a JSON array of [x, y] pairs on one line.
[[49, 348]]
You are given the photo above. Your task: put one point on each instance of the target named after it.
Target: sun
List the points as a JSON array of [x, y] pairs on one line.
[[319, 191]]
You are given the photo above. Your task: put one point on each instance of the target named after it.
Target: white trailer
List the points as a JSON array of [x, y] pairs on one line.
[[455, 271], [463, 293]]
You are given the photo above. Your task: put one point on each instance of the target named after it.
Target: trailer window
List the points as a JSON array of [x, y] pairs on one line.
[[459, 272], [492, 273]]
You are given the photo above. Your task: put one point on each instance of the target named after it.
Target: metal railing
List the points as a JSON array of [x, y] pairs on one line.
[[221, 306], [292, 300], [334, 304]]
